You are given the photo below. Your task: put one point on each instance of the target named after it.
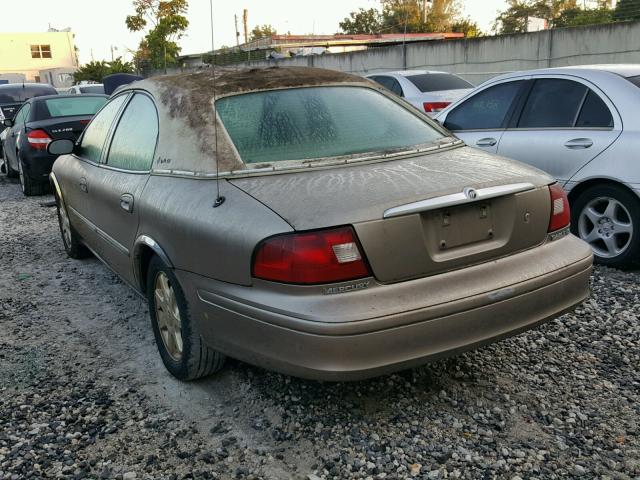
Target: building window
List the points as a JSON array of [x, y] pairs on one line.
[[40, 51]]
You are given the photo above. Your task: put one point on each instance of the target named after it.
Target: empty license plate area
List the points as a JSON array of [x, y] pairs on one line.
[[454, 227]]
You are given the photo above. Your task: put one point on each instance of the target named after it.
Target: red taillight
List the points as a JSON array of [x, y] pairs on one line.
[[38, 139], [560, 215], [434, 107], [325, 256], [84, 122]]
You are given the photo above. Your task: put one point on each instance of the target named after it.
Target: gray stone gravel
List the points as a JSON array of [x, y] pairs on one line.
[[83, 393]]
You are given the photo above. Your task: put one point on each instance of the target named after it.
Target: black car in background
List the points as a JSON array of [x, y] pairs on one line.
[[13, 95], [39, 121]]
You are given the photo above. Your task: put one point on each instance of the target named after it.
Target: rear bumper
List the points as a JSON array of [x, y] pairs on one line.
[[38, 164], [415, 334]]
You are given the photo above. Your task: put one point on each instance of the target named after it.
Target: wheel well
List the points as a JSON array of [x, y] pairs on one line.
[[145, 254], [581, 187]]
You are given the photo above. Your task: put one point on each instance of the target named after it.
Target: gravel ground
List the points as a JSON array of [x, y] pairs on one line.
[[83, 393]]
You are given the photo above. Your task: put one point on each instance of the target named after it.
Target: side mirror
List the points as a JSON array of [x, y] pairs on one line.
[[8, 122], [63, 146]]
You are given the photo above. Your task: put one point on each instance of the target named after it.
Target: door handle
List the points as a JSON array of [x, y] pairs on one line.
[[579, 143], [83, 185], [486, 142], [126, 202]]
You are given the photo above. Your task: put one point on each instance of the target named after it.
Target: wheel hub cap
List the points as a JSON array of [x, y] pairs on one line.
[[606, 225], [168, 316]]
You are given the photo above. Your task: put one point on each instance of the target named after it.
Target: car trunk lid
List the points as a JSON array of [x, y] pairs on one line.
[[425, 241], [62, 127]]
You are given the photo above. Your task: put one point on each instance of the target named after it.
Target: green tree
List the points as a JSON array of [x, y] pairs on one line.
[[262, 31], [515, 18], [627, 10], [574, 17], [468, 27], [96, 71], [167, 23], [363, 21]]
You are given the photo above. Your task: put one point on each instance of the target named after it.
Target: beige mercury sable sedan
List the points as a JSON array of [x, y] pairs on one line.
[[310, 222]]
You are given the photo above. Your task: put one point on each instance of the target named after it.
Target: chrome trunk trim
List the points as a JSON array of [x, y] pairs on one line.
[[468, 195]]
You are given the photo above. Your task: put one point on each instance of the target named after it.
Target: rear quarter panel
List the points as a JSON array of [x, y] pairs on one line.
[[218, 243]]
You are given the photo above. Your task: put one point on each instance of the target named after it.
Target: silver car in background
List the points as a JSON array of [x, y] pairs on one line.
[[581, 125], [428, 91]]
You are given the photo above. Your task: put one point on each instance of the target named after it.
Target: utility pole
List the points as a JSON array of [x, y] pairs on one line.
[[235, 18], [245, 21]]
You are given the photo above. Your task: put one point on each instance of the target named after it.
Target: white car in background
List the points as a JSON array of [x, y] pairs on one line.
[[86, 88], [428, 91], [581, 125]]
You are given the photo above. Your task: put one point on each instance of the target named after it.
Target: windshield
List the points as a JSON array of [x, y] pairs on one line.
[[70, 106], [92, 89], [319, 122], [435, 82], [18, 93]]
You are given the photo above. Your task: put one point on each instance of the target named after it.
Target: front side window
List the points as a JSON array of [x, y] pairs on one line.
[[553, 103], [485, 111], [135, 137], [96, 133], [40, 51], [320, 122]]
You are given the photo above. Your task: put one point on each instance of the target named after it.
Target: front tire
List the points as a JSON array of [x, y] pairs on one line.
[[179, 341], [608, 218]]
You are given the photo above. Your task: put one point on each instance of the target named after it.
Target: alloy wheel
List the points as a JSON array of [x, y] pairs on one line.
[[168, 316], [605, 223]]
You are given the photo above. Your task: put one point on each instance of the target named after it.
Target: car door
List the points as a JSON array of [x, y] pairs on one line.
[[76, 177], [115, 191], [564, 124], [13, 135], [481, 119]]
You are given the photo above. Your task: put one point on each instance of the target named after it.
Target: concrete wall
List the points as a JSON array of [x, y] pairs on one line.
[[480, 59], [15, 53]]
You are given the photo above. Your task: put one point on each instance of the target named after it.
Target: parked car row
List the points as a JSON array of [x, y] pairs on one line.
[[316, 223]]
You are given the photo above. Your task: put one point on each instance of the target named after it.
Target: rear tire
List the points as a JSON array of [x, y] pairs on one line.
[[11, 173], [608, 218], [70, 239], [182, 349], [30, 186]]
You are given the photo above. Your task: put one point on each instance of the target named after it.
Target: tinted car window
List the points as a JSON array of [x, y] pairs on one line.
[[96, 133], [78, 105], [486, 110], [553, 103], [434, 82], [594, 113], [389, 83], [17, 93], [92, 89], [134, 141], [635, 80], [319, 122], [21, 116]]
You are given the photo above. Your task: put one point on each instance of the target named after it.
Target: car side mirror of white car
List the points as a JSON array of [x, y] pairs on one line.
[[63, 146]]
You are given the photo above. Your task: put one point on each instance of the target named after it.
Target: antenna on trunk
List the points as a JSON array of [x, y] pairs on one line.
[[219, 199]]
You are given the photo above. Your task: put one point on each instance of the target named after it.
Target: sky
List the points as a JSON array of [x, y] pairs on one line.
[[99, 25]]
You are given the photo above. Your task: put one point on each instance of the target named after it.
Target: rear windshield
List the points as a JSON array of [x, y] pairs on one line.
[[434, 82], [67, 107], [635, 80], [319, 122], [18, 94], [92, 89]]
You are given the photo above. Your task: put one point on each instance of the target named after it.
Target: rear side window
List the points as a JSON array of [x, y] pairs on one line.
[[434, 82], [22, 115], [389, 83], [319, 122], [134, 141], [78, 105], [635, 80], [594, 113], [485, 111], [96, 133], [553, 103]]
